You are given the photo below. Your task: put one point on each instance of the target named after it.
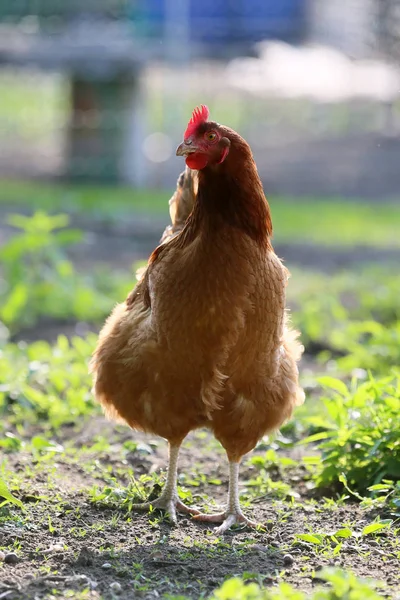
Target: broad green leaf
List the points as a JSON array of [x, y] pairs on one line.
[[316, 437], [15, 303], [308, 537], [374, 527], [7, 495], [344, 533], [337, 549], [334, 384]]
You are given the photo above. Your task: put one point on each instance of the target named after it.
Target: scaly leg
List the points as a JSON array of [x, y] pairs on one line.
[[169, 499], [233, 513]]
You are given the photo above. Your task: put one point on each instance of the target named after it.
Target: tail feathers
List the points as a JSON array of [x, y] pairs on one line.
[[292, 343], [181, 203], [180, 207], [292, 352]]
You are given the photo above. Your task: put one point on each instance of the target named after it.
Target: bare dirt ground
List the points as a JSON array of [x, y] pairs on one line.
[[65, 544]]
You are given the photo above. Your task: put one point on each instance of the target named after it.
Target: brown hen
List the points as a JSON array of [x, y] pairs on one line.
[[203, 340]]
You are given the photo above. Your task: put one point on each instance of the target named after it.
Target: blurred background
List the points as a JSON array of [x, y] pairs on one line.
[[100, 91]]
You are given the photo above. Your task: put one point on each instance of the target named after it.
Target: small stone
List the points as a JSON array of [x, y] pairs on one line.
[[2, 555], [81, 578], [54, 548], [185, 523], [259, 548], [11, 558], [288, 560], [106, 565], [84, 559], [116, 587]]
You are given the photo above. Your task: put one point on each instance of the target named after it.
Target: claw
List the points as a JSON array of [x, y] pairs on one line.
[[228, 519]]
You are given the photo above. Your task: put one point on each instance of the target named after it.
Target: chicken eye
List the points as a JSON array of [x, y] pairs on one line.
[[210, 136]]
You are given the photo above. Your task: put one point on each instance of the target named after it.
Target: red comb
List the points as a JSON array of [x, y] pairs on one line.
[[199, 115]]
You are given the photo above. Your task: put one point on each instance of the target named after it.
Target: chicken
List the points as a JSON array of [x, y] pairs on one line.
[[204, 340]]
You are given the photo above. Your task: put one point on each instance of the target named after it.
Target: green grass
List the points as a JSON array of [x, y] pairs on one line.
[[336, 221], [104, 201], [355, 312], [328, 221], [41, 282]]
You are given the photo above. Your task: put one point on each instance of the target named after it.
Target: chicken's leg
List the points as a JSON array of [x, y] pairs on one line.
[[169, 499], [233, 513]]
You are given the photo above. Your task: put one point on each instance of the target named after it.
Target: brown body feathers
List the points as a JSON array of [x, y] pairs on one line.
[[203, 339]]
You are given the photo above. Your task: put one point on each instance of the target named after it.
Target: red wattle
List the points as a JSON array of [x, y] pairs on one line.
[[196, 161]]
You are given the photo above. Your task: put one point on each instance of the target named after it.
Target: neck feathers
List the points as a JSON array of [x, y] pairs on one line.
[[232, 197]]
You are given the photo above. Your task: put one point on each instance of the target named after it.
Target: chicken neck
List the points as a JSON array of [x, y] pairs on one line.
[[234, 199]]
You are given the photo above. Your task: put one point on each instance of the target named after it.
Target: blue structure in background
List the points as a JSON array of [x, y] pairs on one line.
[[226, 22], [213, 24], [102, 46]]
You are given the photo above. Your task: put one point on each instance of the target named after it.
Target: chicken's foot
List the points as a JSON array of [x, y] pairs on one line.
[[233, 513], [169, 505], [169, 499]]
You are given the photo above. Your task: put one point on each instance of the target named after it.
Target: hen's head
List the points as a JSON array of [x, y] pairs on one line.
[[205, 142]]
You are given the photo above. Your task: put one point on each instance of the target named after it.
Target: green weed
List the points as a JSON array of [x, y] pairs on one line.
[[358, 435], [330, 311], [6, 496], [45, 384], [367, 345], [342, 585], [40, 281]]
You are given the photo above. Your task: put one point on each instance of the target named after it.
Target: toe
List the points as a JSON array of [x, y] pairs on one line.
[[169, 505], [186, 509], [227, 520], [145, 506], [252, 524], [171, 512], [210, 518], [227, 524]]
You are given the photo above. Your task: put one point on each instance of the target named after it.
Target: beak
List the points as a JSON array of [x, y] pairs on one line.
[[185, 148]]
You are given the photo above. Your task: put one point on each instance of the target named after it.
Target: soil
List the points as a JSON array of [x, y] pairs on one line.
[[68, 544]]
